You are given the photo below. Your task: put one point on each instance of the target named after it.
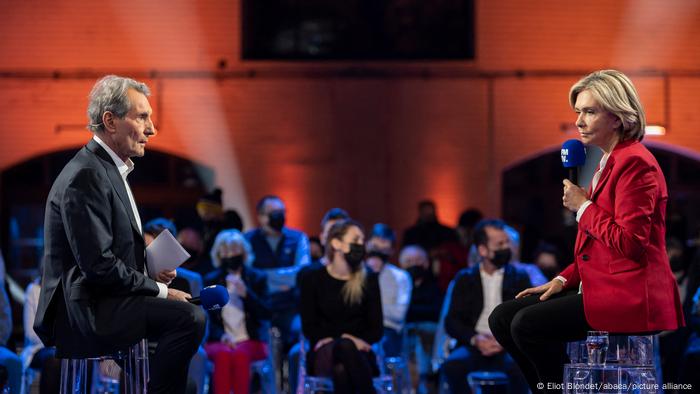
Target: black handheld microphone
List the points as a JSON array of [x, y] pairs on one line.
[[573, 155], [211, 297]]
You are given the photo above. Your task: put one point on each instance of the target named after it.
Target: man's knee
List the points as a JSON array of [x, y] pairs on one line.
[[193, 319]]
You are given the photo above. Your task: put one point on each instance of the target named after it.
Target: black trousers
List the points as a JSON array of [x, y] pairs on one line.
[[466, 359], [177, 326], [350, 369], [535, 334]]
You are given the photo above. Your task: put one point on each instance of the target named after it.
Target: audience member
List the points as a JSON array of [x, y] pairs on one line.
[[341, 313], [329, 219], [477, 291], [238, 332], [232, 219], [546, 258], [394, 285], [428, 232], [211, 211], [199, 261], [280, 252], [423, 310], [35, 355], [315, 250], [190, 282], [536, 276]]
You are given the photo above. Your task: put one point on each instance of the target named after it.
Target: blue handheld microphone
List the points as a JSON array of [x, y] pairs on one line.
[[211, 297], [573, 155]]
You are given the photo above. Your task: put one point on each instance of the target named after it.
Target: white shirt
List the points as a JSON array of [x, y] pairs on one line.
[[395, 288], [492, 285], [124, 170], [233, 313], [582, 208]]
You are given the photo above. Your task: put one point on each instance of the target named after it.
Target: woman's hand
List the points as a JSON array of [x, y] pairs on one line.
[[322, 342], [360, 344], [549, 289], [574, 196]]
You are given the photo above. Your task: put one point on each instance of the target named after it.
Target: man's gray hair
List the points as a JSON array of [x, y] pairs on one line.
[[110, 94]]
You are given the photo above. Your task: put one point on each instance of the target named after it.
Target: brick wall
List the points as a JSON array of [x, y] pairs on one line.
[[444, 130]]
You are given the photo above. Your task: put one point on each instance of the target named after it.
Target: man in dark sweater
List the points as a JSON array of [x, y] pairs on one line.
[[477, 291], [279, 252]]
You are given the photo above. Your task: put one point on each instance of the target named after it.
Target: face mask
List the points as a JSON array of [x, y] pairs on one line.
[[501, 257], [417, 272], [276, 220], [355, 256], [232, 263], [677, 264]]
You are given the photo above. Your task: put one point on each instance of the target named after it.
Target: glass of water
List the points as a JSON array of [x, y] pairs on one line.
[[597, 346]]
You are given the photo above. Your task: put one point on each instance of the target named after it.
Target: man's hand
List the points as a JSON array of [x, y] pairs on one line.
[[177, 295], [166, 276], [550, 288], [487, 345], [322, 343], [574, 196], [360, 344]]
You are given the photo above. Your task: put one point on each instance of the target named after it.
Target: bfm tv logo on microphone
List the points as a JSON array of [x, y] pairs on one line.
[[564, 155]]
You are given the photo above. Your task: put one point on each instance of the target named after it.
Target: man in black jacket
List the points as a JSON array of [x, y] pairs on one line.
[[477, 291], [96, 296]]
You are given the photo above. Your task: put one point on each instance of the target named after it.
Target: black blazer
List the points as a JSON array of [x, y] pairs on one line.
[[93, 259], [255, 304], [467, 299]]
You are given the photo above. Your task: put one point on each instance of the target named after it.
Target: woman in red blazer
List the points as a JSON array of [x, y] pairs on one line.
[[620, 280]]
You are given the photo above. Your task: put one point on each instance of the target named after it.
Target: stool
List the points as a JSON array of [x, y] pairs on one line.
[[315, 384], [397, 368], [488, 382], [266, 371], [133, 363], [632, 366]]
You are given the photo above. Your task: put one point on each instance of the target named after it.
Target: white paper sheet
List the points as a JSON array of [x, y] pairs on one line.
[[165, 253]]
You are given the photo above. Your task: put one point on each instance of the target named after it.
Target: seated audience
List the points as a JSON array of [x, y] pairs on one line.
[[329, 219], [280, 252], [8, 358], [238, 332], [423, 310], [690, 364], [35, 355], [477, 291], [537, 278], [341, 313], [394, 286], [190, 282], [546, 258]]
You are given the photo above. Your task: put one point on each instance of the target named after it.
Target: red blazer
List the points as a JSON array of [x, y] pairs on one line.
[[620, 253]]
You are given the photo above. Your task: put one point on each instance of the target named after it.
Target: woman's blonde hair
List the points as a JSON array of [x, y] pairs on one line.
[[354, 287], [230, 237], [615, 92]]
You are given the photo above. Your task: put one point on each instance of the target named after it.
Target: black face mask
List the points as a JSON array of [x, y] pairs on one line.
[[276, 220], [677, 264], [501, 257], [417, 272], [232, 263], [355, 256]]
